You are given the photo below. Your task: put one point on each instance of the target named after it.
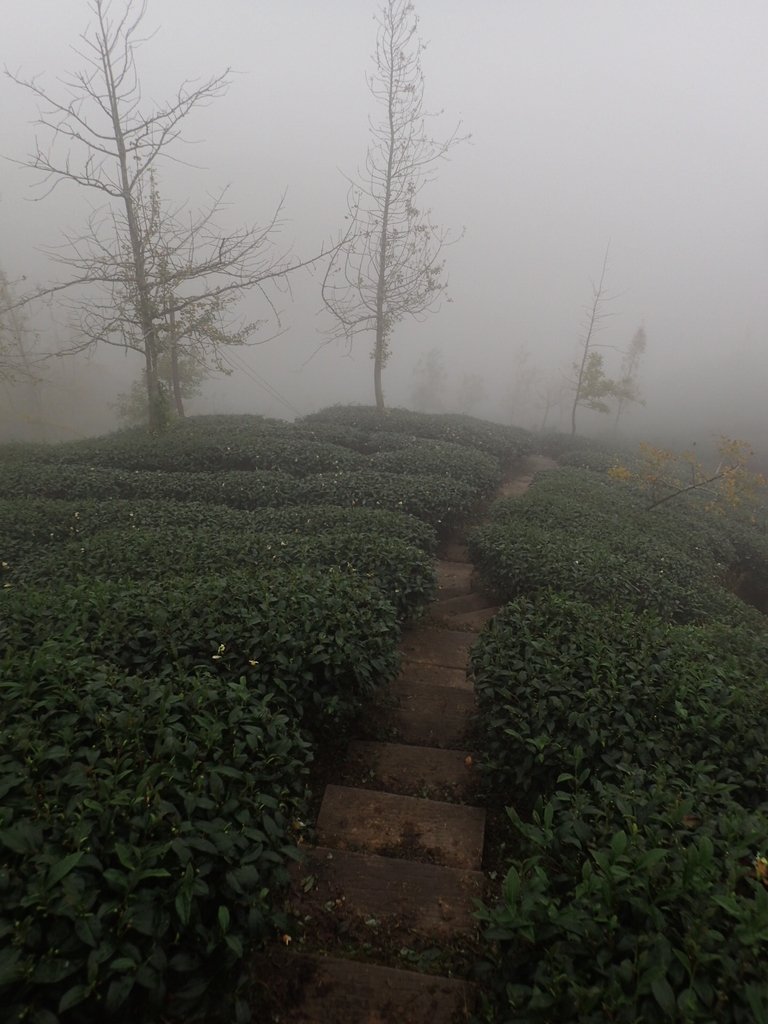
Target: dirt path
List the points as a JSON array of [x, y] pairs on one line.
[[386, 897]]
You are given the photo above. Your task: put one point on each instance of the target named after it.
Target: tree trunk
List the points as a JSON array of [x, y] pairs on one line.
[[175, 381], [143, 297]]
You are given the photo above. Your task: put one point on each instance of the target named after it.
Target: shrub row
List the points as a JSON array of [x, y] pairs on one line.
[[433, 499], [26, 523], [404, 573], [569, 689], [441, 458], [321, 641], [145, 828], [506, 443], [636, 750], [591, 537]]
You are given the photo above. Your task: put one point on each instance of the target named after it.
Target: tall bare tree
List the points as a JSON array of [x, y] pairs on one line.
[[591, 387], [390, 264], [102, 137]]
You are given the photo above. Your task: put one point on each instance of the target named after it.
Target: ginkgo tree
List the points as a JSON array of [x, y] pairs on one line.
[[390, 264], [139, 280]]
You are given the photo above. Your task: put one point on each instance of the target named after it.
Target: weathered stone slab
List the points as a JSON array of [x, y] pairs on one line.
[[448, 647], [432, 716], [454, 578], [329, 990], [429, 772], [402, 897], [430, 831]]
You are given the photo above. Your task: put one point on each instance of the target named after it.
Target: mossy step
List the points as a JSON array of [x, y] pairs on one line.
[[436, 646], [331, 990], [429, 715], [454, 578], [398, 898], [429, 772], [431, 831]]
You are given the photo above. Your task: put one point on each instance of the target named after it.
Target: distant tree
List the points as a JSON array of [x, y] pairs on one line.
[[17, 358], [470, 392], [430, 382], [179, 380], [628, 385], [390, 265], [110, 146], [591, 387]]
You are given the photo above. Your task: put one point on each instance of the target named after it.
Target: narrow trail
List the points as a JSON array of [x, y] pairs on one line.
[[397, 868]]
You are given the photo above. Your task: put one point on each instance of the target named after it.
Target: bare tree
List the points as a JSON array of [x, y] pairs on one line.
[[155, 276], [591, 387], [390, 263]]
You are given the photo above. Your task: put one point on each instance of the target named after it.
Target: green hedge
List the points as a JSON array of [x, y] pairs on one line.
[[591, 537], [145, 832], [632, 902], [27, 523], [567, 688], [440, 502], [635, 754], [433, 499], [246, 490], [405, 574], [441, 458], [506, 443], [322, 641]]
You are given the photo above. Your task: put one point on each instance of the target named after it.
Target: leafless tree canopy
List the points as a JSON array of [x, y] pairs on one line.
[[390, 264], [156, 279]]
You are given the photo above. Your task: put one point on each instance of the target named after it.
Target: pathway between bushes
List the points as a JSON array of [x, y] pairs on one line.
[[397, 867]]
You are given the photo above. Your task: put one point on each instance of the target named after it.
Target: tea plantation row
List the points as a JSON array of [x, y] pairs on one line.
[[183, 620], [623, 711]]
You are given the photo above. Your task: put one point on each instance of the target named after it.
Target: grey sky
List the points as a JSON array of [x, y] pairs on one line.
[[639, 121]]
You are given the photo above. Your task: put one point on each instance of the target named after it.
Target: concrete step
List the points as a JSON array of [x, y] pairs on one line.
[[436, 675], [447, 647], [402, 898], [454, 551], [454, 578], [468, 612], [429, 715], [430, 831], [329, 990], [427, 772]]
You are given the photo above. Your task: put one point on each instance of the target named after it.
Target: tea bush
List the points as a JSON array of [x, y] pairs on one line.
[[145, 831], [506, 443], [321, 641], [405, 574], [591, 537], [29, 522], [441, 503], [245, 490], [441, 458], [566, 688], [194, 451], [639, 901]]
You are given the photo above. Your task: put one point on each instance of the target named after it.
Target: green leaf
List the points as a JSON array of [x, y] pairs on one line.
[[73, 996], [223, 918], [63, 868], [663, 994]]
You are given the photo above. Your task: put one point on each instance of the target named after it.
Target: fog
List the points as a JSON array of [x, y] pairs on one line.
[[641, 125]]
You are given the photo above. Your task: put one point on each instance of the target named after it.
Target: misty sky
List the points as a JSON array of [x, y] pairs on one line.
[[642, 122]]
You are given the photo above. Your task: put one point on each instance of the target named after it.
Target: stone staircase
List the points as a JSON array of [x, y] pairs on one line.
[[399, 842], [400, 845]]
